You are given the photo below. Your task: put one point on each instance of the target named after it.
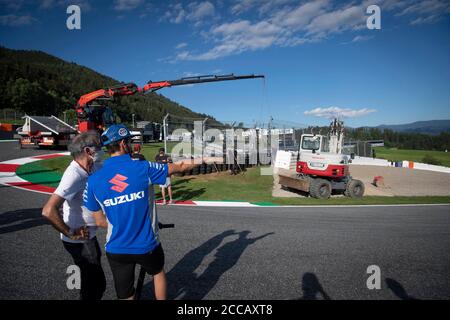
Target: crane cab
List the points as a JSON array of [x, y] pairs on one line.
[[315, 159]]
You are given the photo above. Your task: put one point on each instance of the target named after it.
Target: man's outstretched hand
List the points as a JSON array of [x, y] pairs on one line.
[[209, 160], [189, 164]]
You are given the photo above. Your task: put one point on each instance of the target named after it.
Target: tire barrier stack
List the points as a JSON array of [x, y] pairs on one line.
[[218, 167]]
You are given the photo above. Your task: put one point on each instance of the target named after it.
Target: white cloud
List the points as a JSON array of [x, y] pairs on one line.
[[279, 29], [243, 35], [12, 20], [181, 45], [428, 11], [361, 38], [180, 16], [50, 4], [289, 23], [273, 5], [338, 21], [425, 20], [13, 5], [243, 6], [175, 14], [195, 12], [336, 112], [126, 5], [427, 6], [299, 17], [237, 37], [262, 6], [200, 10]]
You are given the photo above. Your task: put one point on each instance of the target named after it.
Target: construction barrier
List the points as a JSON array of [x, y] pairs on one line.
[[8, 127], [286, 160], [427, 167], [404, 164]]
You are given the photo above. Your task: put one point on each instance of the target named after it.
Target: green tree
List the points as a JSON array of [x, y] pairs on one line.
[[26, 96]]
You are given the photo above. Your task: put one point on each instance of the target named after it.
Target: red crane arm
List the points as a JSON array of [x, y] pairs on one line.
[[119, 90], [131, 88], [153, 86]]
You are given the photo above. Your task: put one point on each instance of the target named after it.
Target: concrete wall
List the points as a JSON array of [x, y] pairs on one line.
[[371, 162]]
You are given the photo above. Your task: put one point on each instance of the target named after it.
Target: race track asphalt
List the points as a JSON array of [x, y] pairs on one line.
[[247, 253]]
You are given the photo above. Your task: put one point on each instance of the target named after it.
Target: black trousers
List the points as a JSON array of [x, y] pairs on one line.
[[87, 257]]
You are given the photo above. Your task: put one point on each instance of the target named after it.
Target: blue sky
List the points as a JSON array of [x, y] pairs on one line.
[[318, 56]]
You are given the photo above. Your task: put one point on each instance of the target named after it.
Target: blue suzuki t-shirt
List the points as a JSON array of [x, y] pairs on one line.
[[121, 190]]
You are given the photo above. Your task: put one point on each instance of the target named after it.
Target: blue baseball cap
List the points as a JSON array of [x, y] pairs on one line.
[[114, 133]]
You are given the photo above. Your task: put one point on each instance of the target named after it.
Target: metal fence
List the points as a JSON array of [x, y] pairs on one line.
[[11, 115], [237, 142], [358, 148]]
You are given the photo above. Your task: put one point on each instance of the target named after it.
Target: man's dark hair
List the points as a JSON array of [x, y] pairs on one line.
[[162, 150], [114, 146]]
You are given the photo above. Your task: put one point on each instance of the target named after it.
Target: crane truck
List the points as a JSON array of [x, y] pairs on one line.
[[94, 116], [321, 168]]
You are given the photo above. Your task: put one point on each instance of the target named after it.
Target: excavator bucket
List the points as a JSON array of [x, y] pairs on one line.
[[292, 180]]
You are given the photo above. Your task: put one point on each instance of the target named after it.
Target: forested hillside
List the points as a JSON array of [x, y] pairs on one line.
[[37, 83]]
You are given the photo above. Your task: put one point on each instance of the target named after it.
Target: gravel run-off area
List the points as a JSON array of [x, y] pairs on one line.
[[397, 182]]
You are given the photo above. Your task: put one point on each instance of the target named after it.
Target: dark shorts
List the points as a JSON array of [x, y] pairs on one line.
[[123, 268]]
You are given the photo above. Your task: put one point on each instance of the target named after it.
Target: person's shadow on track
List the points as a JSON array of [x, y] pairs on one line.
[[225, 258], [311, 288], [182, 274], [22, 219], [184, 283], [398, 289]]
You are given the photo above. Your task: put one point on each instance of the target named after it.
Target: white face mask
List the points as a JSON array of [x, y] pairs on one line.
[[98, 156]]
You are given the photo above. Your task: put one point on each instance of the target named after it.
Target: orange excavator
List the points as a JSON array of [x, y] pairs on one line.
[[94, 116]]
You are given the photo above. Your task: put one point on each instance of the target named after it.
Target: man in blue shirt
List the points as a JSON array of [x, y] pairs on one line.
[[121, 191]]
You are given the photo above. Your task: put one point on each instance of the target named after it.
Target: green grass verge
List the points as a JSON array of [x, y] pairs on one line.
[[222, 186], [151, 150], [251, 186], [41, 173], [393, 154], [58, 164], [17, 121]]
